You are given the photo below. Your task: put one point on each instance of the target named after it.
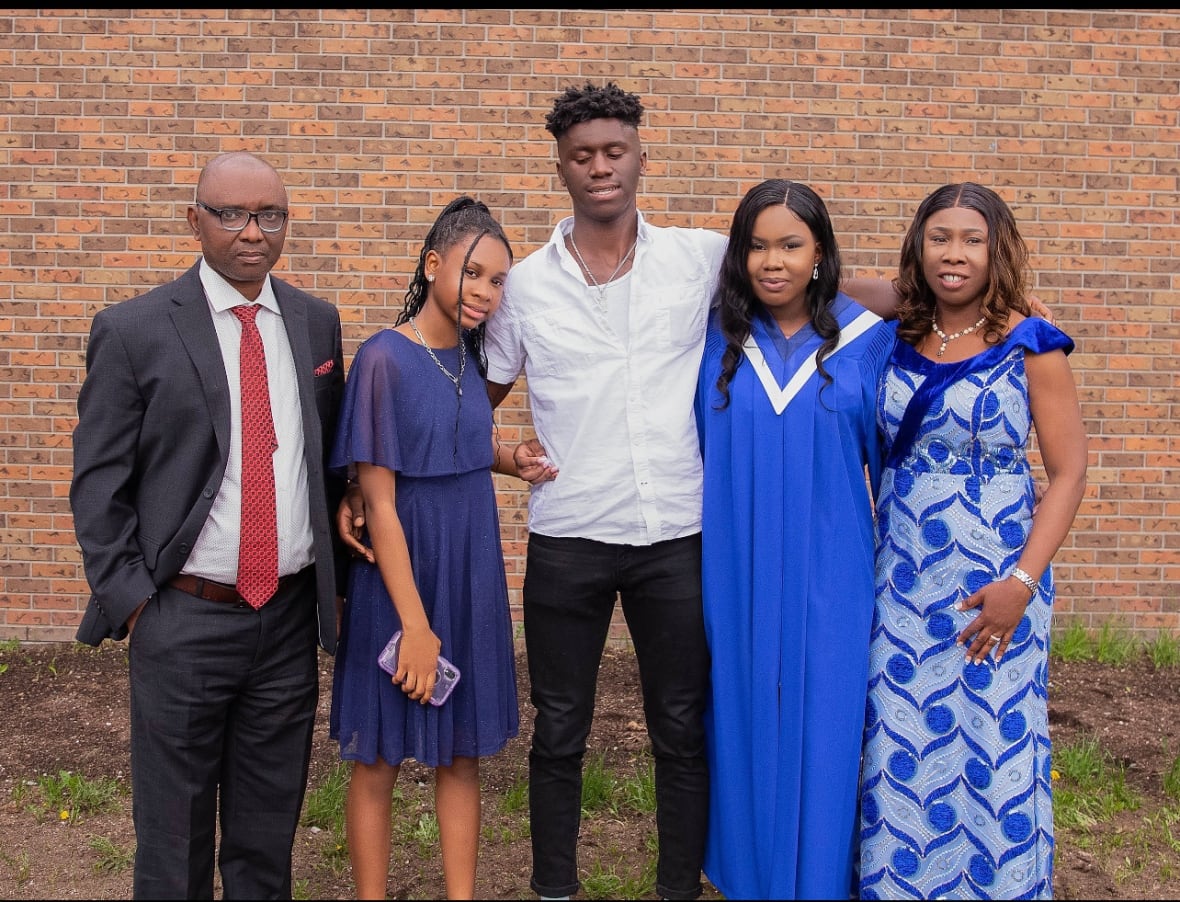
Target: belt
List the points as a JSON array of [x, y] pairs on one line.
[[215, 591]]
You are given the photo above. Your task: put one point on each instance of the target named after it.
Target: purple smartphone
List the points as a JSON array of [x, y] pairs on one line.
[[445, 676]]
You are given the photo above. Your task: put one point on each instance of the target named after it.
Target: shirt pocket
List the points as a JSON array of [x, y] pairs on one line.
[[679, 313], [555, 346]]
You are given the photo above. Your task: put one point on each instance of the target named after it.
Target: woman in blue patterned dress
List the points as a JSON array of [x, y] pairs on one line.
[[955, 792]]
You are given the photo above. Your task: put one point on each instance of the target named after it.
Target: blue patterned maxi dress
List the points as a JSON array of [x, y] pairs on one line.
[[955, 797]]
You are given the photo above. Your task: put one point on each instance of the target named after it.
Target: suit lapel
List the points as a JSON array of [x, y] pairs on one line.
[[295, 322], [194, 323]]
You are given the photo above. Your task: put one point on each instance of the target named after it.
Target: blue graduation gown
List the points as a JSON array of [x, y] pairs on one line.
[[788, 599]]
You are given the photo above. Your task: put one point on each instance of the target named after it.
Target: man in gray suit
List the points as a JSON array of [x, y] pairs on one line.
[[223, 675]]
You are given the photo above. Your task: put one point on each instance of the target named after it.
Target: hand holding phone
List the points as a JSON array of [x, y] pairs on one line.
[[446, 674]]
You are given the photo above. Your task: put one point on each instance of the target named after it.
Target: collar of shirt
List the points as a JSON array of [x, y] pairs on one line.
[[566, 227], [222, 295]]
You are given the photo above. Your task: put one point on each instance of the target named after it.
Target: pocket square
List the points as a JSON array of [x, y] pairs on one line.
[[324, 368]]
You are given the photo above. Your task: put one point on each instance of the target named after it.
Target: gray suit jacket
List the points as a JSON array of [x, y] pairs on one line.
[[152, 442]]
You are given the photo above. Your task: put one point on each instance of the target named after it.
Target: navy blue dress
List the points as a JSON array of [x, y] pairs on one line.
[[401, 412]]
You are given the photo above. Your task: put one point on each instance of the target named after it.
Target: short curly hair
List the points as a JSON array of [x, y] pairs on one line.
[[577, 105]]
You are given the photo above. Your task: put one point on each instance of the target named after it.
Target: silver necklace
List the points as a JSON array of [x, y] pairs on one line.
[[946, 339], [601, 288], [456, 380]]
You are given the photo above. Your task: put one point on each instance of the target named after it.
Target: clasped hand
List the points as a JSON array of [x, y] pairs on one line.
[[1002, 606], [532, 463]]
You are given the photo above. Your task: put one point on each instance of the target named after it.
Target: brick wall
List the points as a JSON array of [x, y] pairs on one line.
[[377, 118]]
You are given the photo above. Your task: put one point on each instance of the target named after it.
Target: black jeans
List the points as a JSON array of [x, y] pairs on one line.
[[570, 588]]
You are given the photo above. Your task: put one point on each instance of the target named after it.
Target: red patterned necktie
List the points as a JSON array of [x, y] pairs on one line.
[[258, 542]]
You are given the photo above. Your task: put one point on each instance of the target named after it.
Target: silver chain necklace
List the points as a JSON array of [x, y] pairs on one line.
[[601, 288], [455, 380], [946, 339]]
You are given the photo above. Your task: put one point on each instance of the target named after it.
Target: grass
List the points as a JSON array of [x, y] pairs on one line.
[[1072, 644], [112, 859], [71, 796], [323, 808], [598, 788], [606, 793], [1113, 644], [1092, 786], [1090, 789], [20, 865], [1172, 781], [1164, 650], [8, 648]]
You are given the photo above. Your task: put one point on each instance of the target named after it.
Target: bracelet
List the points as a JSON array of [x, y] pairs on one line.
[[1029, 582]]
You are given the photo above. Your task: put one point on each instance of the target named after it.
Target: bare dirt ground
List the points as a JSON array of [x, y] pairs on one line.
[[65, 709]]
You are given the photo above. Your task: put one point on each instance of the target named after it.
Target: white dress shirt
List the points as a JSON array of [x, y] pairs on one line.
[[215, 553], [614, 413]]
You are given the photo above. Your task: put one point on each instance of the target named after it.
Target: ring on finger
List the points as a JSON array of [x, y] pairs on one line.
[[995, 638]]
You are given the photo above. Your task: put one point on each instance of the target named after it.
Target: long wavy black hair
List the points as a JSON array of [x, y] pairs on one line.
[[463, 218], [735, 296], [1007, 256]]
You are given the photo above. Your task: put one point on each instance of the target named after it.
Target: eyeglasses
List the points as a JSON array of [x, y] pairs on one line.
[[235, 220]]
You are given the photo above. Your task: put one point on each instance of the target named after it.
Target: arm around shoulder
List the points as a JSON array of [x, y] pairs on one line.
[[877, 295]]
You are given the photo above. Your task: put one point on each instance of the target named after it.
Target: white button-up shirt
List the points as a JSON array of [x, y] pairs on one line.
[[215, 553], [615, 414]]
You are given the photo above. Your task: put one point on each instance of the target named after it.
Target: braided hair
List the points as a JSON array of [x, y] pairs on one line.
[[577, 105], [734, 295], [463, 218]]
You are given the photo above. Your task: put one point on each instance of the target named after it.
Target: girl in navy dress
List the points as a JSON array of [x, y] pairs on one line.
[[416, 431]]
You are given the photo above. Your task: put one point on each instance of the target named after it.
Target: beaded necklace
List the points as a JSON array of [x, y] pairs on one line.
[[946, 339]]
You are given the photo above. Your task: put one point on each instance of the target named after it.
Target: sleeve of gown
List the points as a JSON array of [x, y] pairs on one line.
[[706, 393], [367, 429], [873, 373]]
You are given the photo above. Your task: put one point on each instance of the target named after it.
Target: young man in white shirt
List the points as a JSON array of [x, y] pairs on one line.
[[606, 321]]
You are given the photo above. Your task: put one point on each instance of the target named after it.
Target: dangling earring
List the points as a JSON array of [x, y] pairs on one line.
[[815, 272]]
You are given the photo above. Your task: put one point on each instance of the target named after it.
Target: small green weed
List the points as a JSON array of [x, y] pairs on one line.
[[605, 882], [424, 832], [1172, 780], [72, 796], [112, 859], [1072, 644], [20, 865], [1092, 786], [1115, 645], [9, 648], [323, 808], [639, 790], [516, 798], [598, 787], [324, 805], [1164, 650]]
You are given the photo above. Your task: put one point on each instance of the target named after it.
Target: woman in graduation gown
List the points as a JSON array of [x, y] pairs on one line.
[[785, 410]]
